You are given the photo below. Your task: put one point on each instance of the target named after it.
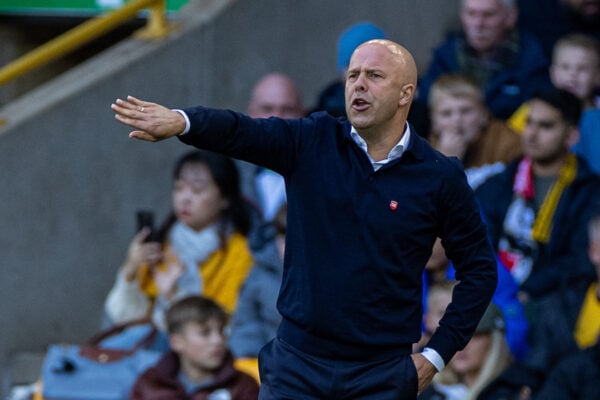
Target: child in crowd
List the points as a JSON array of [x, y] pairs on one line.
[[201, 249], [463, 127], [471, 369], [439, 295], [199, 365], [575, 68], [439, 280]]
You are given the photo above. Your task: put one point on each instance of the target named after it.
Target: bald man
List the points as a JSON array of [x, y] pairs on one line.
[[367, 198], [274, 95]]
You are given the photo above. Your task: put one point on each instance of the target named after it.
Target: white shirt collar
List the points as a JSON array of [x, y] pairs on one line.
[[395, 153]]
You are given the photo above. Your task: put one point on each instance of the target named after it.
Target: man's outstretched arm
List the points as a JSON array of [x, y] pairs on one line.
[[151, 121]]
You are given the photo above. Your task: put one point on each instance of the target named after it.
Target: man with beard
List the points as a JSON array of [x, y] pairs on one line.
[[537, 209]]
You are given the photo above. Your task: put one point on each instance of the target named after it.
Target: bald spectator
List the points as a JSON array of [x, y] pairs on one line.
[[274, 95]]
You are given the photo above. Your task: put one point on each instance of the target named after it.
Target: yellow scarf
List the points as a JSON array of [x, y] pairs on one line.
[[542, 225], [223, 273]]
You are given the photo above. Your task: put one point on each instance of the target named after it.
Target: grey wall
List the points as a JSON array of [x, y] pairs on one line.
[[71, 180]]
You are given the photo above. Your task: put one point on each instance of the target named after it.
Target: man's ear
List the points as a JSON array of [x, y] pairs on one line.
[[406, 94]]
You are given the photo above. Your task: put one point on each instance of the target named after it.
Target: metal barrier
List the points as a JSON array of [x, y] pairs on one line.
[[71, 40]]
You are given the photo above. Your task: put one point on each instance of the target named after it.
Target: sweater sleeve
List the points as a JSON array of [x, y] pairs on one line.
[[465, 241], [125, 301], [271, 143]]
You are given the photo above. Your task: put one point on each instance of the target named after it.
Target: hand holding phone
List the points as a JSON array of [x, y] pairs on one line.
[[145, 219]]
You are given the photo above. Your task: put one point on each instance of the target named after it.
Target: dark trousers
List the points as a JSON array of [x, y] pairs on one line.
[[288, 373]]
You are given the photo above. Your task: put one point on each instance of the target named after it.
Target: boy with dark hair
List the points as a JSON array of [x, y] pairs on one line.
[[199, 365], [538, 208]]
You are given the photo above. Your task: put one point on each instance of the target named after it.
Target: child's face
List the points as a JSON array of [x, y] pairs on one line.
[[575, 70], [201, 346], [470, 359], [436, 307], [457, 115], [197, 200]]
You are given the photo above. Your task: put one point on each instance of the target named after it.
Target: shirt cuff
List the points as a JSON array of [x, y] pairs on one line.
[[434, 357], [187, 121]]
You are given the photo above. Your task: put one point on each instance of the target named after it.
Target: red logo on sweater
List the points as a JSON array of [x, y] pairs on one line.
[[393, 205]]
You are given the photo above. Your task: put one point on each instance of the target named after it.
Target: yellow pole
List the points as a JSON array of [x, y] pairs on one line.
[[83, 34]]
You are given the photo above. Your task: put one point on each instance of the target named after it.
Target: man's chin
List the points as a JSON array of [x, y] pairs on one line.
[[358, 122]]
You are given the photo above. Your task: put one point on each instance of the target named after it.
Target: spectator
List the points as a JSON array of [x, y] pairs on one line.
[[537, 209], [202, 247], [274, 95], [575, 68], [568, 321], [440, 274], [550, 20], [256, 319], [463, 127], [438, 296], [199, 365], [508, 64], [471, 369]]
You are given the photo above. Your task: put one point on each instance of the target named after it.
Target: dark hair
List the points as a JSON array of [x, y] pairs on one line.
[[196, 309], [566, 102], [225, 174]]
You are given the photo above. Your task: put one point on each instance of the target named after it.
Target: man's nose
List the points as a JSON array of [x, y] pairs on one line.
[[360, 83]]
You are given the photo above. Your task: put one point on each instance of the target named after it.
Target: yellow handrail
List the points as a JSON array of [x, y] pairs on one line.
[[156, 27]]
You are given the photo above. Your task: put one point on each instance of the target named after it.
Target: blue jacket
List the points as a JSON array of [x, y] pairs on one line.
[[588, 146], [506, 91], [357, 239], [256, 318]]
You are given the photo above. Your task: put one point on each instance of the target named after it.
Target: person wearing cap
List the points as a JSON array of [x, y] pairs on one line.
[[471, 369]]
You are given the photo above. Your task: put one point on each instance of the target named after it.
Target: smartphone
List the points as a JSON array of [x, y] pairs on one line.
[[145, 219]]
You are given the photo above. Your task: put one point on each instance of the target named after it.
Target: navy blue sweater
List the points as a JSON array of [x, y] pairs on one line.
[[352, 272]]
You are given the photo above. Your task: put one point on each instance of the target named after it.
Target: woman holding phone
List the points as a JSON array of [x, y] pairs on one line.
[[202, 248]]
